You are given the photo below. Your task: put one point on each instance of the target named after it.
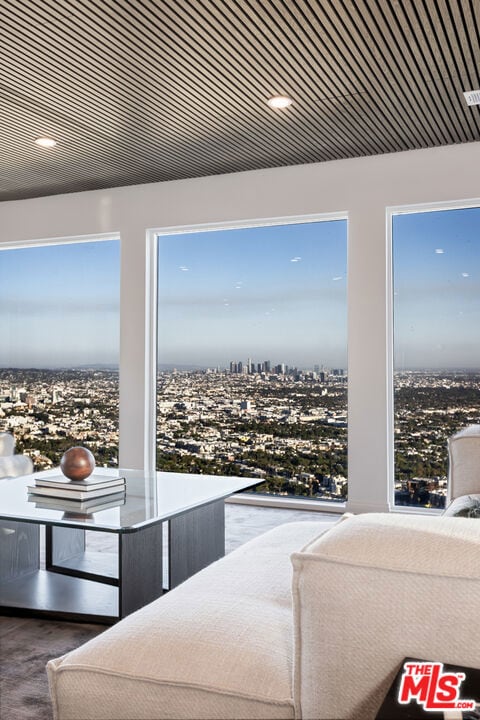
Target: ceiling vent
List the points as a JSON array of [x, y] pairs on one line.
[[472, 97]]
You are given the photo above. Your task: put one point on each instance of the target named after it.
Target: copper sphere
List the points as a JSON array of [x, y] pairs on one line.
[[77, 463]]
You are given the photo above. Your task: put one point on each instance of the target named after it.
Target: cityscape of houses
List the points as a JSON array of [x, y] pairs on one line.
[[49, 411], [280, 424], [284, 427]]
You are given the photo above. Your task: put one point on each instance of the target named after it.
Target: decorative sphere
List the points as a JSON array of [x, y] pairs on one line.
[[77, 463]]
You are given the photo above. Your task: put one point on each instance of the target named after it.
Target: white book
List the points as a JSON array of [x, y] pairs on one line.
[[77, 506], [75, 493], [94, 482]]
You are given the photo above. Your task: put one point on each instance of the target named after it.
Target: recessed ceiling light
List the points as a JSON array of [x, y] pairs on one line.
[[45, 142], [279, 102]]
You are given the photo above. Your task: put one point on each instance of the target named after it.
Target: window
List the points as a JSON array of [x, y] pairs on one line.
[[59, 349], [251, 375], [436, 271]]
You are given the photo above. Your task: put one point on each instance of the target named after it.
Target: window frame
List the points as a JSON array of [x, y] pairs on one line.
[[151, 299], [392, 211], [67, 240], [77, 240]]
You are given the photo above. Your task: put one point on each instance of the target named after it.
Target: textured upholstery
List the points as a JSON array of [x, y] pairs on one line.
[[230, 643], [12, 465], [372, 591], [218, 646], [464, 462]]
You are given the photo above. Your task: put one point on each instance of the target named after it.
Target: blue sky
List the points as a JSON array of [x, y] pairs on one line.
[[436, 259], [275, 293], [59, 305]]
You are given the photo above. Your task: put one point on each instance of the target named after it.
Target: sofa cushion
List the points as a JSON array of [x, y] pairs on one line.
[[372, 591], [218, 646], [407, 543]]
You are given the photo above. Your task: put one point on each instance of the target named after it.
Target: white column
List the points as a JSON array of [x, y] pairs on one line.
[[368, 434], [132, 346]]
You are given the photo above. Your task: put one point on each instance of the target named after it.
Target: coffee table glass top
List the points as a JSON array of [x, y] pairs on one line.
[[149, 499]]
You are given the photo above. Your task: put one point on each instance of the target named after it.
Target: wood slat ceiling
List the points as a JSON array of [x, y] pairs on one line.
[[138, 91]]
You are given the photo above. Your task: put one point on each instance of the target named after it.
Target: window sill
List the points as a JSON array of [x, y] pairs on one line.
[[292, 503]]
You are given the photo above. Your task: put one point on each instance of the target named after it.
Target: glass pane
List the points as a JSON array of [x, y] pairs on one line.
[[59, 350], [436, 267], [252, 356]]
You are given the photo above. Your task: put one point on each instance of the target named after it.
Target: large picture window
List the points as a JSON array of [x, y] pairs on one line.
[[59, 349], [251, 377], [436, 273]]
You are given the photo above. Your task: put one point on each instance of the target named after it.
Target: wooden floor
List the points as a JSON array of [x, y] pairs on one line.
[[26, 644]]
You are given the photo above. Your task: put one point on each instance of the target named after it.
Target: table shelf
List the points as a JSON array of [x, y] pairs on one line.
[[53, 594]]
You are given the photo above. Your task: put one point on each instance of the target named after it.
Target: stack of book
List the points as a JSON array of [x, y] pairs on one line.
[[87, 496]]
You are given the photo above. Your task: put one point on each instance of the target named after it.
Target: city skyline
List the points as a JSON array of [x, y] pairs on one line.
[[266, 366]]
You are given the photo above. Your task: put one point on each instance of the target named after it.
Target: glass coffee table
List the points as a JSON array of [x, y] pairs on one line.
[[78, 584]]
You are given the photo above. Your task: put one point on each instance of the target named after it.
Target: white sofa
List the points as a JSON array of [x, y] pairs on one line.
[[307, 621]]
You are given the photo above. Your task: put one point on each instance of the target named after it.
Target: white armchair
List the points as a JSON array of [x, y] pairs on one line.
[[464, 462], [12, 465]]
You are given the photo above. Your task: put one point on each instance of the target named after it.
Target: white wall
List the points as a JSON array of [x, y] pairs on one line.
[[364, 187]]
